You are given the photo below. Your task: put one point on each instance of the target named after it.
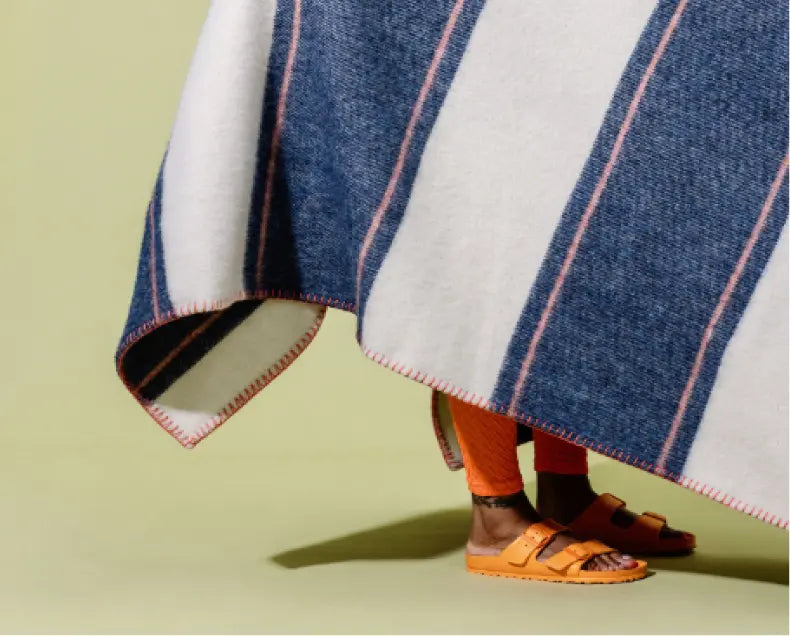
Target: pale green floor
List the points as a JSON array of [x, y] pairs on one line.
[[324, 505], [327, 511]]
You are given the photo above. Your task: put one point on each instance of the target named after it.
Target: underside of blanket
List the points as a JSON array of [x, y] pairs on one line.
[[570, 213]]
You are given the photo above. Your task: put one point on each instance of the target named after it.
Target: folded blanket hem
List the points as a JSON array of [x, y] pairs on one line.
[[444, 386]]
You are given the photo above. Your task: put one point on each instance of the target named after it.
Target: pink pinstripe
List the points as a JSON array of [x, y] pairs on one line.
[[176, 350], [404, 147], [593, 203], [723, 301], [276, 133]]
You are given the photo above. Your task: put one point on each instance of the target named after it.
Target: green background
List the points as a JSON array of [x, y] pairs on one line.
[[324, 505]]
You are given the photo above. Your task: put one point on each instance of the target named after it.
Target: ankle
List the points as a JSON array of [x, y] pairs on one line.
[[497, 519], [563, 497], [556, 482]]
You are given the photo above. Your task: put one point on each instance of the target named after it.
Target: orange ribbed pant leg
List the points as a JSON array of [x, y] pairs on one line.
[[488, 445], [553, 455]]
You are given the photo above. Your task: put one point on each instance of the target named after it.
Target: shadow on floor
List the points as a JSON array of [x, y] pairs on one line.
[[736, 567], [419, 537], [436, 533]]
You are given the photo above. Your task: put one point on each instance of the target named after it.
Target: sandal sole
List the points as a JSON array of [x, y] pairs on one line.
[[559, 579]]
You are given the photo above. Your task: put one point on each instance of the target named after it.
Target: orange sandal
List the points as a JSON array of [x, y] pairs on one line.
[[643, 536], [520, 559]]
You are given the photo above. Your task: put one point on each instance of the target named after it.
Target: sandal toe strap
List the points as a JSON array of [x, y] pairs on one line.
[[576, 553], [597, 547]]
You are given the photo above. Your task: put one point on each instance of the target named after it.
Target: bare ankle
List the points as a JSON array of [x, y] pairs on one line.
[[514, 500], [497, 520], [563, 497]]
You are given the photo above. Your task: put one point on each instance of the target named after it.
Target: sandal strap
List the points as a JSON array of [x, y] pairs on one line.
[[642, 534], [542, 532], [532, 541], [609, 501], [598, 547], [597, 515], [652, 522], [576, 553]]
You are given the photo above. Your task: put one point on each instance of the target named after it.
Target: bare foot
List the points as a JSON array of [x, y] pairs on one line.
[[498, 521], [565, 497]]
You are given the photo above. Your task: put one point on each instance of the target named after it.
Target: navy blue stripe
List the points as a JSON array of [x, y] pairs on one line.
[[142, 304], [163, 297], [358, 70], [280, 265], [678, 208]]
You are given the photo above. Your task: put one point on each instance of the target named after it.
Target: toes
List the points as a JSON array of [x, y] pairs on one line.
[[609, 563], [618, 561], [598, 565]]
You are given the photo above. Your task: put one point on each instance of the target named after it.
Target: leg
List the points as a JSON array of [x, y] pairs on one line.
[[564, 488], [501, 510]]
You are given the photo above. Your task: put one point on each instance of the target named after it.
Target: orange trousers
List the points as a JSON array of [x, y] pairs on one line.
[[488, 445]]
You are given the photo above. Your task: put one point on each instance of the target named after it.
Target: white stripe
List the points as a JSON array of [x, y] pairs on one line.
[[505, 153], [745, 422], [208, 175], [208, 180]]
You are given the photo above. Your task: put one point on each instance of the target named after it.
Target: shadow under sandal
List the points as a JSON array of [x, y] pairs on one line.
[[642, 536], [520, 559]]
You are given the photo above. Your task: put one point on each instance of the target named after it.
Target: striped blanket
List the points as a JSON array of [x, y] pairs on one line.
[[569, 212]]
